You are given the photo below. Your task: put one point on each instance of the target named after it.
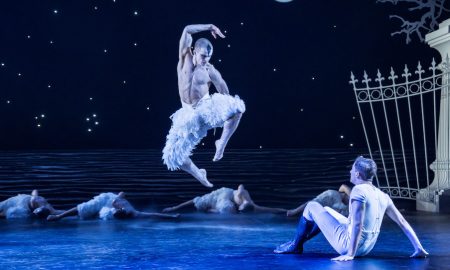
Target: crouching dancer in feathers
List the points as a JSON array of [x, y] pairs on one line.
[[200, 111], [357, 234]]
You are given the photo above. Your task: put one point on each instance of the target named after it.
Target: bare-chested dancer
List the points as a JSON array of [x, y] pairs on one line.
[[199, 111]]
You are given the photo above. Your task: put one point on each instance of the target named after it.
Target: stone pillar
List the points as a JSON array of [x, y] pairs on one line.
[[428, 198]]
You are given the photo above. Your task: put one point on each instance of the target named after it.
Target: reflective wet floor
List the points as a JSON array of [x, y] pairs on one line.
[[205, 241]]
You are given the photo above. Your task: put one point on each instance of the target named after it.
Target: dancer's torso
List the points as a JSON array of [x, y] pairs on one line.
[[375, 205], [193, 81]]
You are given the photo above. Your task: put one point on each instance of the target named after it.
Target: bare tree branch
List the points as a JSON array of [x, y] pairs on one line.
[[433, 10]]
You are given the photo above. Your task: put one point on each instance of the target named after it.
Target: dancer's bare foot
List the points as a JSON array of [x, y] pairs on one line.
[[53, 217], [219, 150], [203, 180]]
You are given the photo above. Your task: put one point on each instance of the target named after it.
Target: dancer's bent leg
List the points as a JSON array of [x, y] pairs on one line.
[[199, 174], [332, 225], [228, 129]]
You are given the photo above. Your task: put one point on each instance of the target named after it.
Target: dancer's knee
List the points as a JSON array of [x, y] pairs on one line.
[[311, 207]]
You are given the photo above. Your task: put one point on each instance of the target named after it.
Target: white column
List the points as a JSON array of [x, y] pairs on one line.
[[428, 199]]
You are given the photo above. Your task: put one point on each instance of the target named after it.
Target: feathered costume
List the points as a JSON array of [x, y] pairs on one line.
[[191, 123], [16, 207], [220, 200]]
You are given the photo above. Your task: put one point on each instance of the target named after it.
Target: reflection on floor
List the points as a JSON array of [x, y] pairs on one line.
[[200, 241]]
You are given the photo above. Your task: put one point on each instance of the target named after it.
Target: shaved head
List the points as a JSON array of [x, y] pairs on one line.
[[204, 43]]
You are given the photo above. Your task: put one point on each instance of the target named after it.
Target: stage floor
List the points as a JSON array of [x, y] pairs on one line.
[[205, 241]]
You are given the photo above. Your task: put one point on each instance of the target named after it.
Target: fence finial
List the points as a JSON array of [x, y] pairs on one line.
[[353, 81], [406, 73], [419, 70], [379, 79], [393, 76], [366, 79]]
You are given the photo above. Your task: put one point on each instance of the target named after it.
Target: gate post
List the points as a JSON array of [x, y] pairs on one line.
[[428, 198]]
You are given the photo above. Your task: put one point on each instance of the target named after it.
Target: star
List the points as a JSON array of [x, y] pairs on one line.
[[3, 64], [135, 44], [148, 108], [51, 41], [96, 123], [124, 82], [260, 147], [105, 50], [28, 36], [88, 119], [55, 11], [94, 115], [354, 117], [89, 130], [38, 125], [313, 78], [90, 99], [42, 115], [19, 74], [95, 7], [135, 13], [342, 136], [8, 102], [274, 69], [224, 31], [229, 45], [49, 86], [301, 109], [242, 23], [220, 60], [351, 145]]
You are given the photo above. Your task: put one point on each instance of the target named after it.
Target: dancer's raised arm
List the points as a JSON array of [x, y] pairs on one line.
[[186, 36]]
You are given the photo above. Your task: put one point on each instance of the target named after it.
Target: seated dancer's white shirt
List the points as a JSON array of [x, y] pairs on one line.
[[375, 204]]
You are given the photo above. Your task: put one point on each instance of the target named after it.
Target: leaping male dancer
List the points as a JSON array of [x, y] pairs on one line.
[[200, 111]]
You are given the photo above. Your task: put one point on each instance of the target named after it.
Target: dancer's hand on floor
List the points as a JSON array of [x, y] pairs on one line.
[[420, 253], [343, 258]]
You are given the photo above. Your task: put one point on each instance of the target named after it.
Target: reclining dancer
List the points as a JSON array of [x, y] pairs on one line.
[[25, 206], [200, 111], [335, 199], [357, 234], [107, 206], [226, 201]]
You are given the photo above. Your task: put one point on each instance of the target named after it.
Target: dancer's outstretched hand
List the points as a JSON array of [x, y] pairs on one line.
[[168, 209], [343, 258], [215, 31], [420, 253]]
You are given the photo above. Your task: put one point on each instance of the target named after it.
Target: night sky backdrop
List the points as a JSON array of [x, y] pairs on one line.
[[102, 74]]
